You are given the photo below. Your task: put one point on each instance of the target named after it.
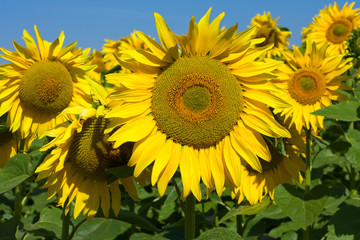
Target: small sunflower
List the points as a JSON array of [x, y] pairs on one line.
[[76, 165], [112, 48], [266, 27], [333, 25], [281, 169], [41, 81], [97, 58], [202, 110], [311, 81]]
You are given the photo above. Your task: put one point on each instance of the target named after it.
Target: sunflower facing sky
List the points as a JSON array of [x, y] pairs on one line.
[[81, 154], [311, 81], [266, 27], [42, 80], [333, 25], [196, 102]]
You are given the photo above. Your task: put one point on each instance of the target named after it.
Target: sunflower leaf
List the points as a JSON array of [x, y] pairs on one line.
[[15, 172], [343, 111], [302, 208], [247, 209], [101, 228], [132, 218], [219, 233]]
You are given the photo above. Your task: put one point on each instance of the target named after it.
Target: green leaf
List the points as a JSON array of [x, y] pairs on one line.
[[337, 195], [331, 235], [145, 236], [50, 220], [346, 221], [339, 146], [219, 233], [247, 209], [344, 111], [15, 172], [132, 218], [353, 155], [283, 228], [101, 228], [302, 208]]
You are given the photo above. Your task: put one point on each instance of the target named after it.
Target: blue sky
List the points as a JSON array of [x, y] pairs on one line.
[[91, 22]]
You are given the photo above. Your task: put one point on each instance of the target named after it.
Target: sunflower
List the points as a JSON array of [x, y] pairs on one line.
[[333, 25], [81, 154], [97, 58], [112, 48], [311, 81], [41, 81], [281, 169], [196, 102], [266, 27]]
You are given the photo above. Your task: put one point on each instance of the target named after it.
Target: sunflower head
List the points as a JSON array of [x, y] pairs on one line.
[[266, 27], [44, 79], [333, 25]]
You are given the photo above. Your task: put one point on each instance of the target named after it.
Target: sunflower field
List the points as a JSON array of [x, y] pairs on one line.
[[211, 134]]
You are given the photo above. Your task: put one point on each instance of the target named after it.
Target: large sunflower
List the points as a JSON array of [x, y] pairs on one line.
[[311, 81], [281, 169], [81, 154], [266, 27], [42, 80], [196, 101], [333, 25]]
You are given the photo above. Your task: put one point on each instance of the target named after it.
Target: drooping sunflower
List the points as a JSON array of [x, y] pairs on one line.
[[196, 102], [281, 169], [333, 25], [266, 27], [311, 81], [42, 80], [112, 48], [76, 166]]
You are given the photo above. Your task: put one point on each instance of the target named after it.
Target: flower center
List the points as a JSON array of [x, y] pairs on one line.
[[307, 86], [47, 87], [196, 101], [339, 31], [91, 153]]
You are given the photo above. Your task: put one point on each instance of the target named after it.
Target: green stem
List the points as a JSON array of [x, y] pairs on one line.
[[306, 232], [178, 193], [308, 162], [75, 228], [65, 225], [17, 206], [190, 217]]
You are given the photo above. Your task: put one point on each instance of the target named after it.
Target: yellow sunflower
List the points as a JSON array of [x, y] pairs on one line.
[[266, 27], [97, 58], [311, 81], [196, 102], [112, 48], [42, 80], [81, 154], [281, 169], [333, 25]]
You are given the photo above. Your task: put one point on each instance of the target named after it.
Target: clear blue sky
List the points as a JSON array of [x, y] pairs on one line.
[[91, 22]]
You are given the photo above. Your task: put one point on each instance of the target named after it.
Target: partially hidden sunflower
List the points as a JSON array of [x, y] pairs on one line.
[[112, 48], [41, 81], [196, 102], [266, 27], [76, 166], [283, 168], [333, 25], [311, 81]]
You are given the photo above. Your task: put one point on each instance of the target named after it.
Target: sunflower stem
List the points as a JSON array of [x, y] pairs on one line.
[[65, 225], [179, 194], [306, 232], [239, 224], [190, 217]]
